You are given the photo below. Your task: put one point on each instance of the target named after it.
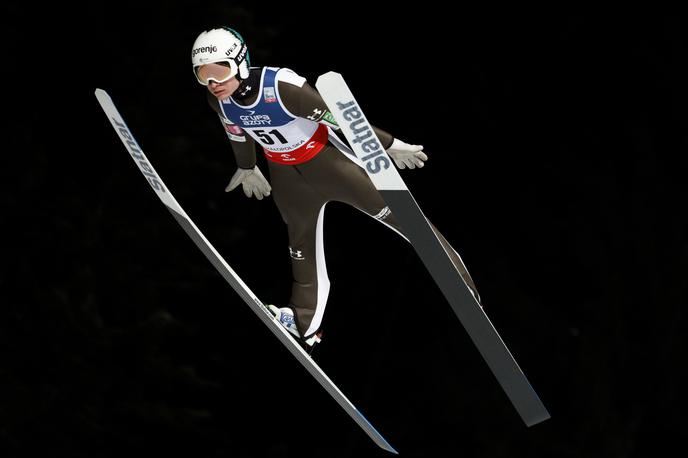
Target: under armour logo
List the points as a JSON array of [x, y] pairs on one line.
[[317, 114], [296, 254]]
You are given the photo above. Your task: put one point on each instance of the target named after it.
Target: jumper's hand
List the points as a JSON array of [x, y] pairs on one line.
[[253, 182], [406, 155]]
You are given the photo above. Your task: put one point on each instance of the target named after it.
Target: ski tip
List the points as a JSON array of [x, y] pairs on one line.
[[102, 96], [327, 77]]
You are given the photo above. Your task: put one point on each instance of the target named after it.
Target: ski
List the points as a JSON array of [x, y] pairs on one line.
[[381, 170], [228, 273]]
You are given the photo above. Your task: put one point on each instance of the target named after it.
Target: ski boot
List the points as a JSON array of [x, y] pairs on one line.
[[285, 316]]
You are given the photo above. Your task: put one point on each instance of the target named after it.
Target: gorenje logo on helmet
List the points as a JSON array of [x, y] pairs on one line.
[[203, 49]]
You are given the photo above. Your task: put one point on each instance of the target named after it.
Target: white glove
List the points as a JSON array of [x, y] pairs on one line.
[[253, 182], [406, 155]]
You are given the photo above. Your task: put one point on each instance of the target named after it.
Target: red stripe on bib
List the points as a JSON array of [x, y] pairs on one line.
[[304, 153]]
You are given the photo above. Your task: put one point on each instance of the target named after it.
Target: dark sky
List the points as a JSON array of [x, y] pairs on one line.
[[557, 168]]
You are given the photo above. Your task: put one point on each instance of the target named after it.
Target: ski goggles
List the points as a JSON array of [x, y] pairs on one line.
[[217, 71]]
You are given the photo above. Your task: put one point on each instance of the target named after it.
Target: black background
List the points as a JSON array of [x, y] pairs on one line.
[[556, 167]]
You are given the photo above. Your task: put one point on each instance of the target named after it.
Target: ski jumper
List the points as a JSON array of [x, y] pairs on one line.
[[309, 166]]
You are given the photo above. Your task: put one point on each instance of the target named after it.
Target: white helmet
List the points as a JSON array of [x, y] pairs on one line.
[[221, 45]]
